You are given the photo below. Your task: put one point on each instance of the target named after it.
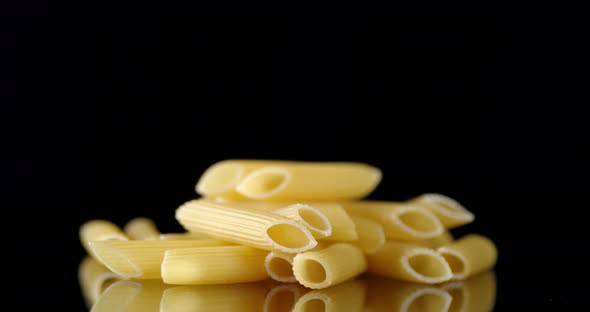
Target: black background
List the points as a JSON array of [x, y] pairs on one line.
[[117, 114]]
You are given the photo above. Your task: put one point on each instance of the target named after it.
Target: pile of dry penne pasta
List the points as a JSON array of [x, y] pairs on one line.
[[293, 222]]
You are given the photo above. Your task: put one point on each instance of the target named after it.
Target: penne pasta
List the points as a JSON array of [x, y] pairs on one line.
[[183, 236], [409, 262], [140, 259], [370, 233], [469, 255], [444, 239], [450, 213], [141, 229], [213, 298], [394, 295], [128, 296], [324, 268], [401, 222], [94, 279], [249, 227], [343, 228], [282, 297], [279, 266], [310, 181], [214, 265], [349, 296], [99, 230]]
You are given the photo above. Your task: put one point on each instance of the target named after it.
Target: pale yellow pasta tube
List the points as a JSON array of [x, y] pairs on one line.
[[279, 266], [409, 262], [310, 181], [450, 213], [251, 227], [329, 266], [214, 298], [343, 228], [394, 295], [445, 238], [140, 259], [370, 233], [349, 296], [99, 230], [128, 296], [183, 236], [214, 265], [402, 222], [141, 229], [469, 255], [282, 297], [94, 279]]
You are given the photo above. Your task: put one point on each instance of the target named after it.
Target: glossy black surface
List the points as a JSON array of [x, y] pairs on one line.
[[304, 89]]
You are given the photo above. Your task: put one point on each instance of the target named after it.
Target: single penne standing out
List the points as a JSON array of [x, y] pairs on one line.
[[402, 222], [349, 296], [141, 229], [279, 266], [450, 213], [371, 236], [469, 255], [250, 227], [214, 265], [94, 279], [409, 262], [329, 266], [141, 259], [310, 181], [99, 230]]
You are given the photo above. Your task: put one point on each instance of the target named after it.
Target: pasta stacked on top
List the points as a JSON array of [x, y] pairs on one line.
[[294, 222]]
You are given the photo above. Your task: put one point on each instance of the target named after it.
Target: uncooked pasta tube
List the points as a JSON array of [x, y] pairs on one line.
[[141, 229], [370, 233], [445, 238], [409, 262], [402, 222], [282, 297], [94, 279], [349, 296], [469, 255], [450, 213], [214, 298], [310, 181], [250, 227], [140, 259], [128, 296], [343, 228], [329, 266], [312, 218], [279, 266], [99, 230], [394, 295], [214, 265]]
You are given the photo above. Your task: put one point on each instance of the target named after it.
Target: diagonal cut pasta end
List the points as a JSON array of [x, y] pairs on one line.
[[447, 206], [290, 237], [220, 178], [427, 266], [264, 182], [280, 267], [457, 262], [418, 222], [115, 260]]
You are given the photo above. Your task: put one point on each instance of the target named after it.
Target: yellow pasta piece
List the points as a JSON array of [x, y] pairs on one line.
[[409, 262], [251, 227], [310, 181], [312, 218], [469, 255], [402, 222], [213, 298], [128, 296], [282, 297], [141, 229], [279, 266], [450, 213], [394, 295], [370, 233], [330, 266], [140, 259], [343, 228], [94, 279], [99, 230], [183, 236], [349, 296], [444, 239], [214, 265]]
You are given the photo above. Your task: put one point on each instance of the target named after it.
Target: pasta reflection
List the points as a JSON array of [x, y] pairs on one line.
[[369, 294]]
